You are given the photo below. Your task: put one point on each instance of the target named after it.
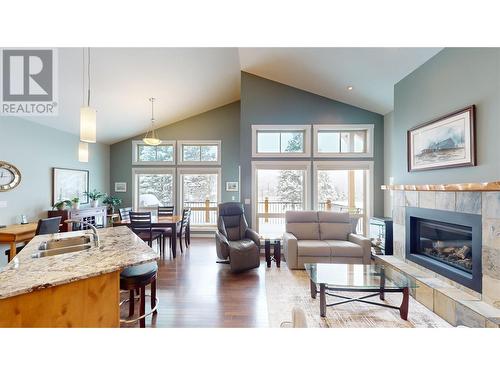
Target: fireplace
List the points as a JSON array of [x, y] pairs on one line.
[[446, 242]]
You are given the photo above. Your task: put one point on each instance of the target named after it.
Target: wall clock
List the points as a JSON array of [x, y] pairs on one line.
[[10, 176]]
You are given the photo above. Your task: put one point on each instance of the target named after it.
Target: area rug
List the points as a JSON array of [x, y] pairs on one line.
[[286, 289]]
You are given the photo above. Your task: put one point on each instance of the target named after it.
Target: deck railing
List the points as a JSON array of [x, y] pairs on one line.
[[202, 213]]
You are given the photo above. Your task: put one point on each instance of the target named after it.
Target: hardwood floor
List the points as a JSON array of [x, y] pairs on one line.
[[195, 291]]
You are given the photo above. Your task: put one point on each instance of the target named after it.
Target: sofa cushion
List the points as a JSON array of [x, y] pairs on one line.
[[334, 231], [313, 248], [301, 216], [304, 231], [344, 248], [333, 217]]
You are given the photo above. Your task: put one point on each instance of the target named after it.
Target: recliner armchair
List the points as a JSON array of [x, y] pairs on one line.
[[236, 243]]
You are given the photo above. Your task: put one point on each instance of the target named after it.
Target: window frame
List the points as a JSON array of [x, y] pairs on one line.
[[281, 129], [369, 128], [138, 171], [181, 144], [200, 170], [366, 165], [277, 165], [135, 153]]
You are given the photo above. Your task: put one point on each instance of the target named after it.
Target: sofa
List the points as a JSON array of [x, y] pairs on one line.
[[323, 237]]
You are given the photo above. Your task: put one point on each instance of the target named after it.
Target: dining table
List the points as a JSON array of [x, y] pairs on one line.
[[16, 233], [161, 222]]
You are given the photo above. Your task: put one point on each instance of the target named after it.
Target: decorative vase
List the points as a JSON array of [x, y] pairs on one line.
[[76, 206], [94, 204]]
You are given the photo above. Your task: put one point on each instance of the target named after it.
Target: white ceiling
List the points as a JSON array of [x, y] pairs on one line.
[[372, 72], [188, 81]]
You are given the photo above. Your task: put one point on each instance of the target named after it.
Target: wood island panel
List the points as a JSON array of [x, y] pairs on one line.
[[87, 303]]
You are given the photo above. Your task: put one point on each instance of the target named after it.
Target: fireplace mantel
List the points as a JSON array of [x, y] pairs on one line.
[[471, 186]]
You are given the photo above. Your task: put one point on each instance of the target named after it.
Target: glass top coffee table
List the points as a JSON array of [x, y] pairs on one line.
[[358, 278]]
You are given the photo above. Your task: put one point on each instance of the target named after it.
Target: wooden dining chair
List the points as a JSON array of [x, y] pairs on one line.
[[166, 210], [124, 213], [140, 223], [184, 229]]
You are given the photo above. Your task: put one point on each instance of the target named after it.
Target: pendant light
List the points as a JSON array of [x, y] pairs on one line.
[[151, 138], [83, 152], [87, 113]]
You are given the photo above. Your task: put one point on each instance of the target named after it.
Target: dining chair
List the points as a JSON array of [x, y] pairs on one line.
[[140, 223], [184, 229], [45, 226], [166, 210], [124, 213]]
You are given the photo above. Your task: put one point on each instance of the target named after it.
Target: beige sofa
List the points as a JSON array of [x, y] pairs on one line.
[[322, 237]]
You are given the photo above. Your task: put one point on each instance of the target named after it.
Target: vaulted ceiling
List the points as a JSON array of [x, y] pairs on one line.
[[188, 81]]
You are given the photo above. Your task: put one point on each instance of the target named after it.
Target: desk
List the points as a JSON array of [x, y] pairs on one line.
[[13, 234], [161, 222]]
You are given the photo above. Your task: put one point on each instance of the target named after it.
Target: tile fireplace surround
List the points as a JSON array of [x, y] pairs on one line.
[[452, 301]]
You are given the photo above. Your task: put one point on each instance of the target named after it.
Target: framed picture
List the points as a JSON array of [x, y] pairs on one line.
[[447, 142], [120, 187], [232, 186], [69, 183]]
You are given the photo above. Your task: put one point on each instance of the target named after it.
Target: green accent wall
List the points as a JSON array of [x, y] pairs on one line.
[[221, 123], [453, 79], [265, 102]]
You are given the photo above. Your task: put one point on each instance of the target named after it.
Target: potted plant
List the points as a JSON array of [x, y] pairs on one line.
[[94, 196], [75, 203], [62, 205], [112, 202]]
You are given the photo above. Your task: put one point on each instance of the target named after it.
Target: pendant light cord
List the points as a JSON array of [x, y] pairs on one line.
[[88, 78]]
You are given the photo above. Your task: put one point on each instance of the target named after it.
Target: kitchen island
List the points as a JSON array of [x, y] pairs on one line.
[[75, 289]]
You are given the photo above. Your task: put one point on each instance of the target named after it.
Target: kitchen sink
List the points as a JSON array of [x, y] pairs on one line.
[[61, 250], [64, 242]]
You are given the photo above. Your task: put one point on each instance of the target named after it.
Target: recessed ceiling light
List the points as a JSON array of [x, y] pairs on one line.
[[349, 88]]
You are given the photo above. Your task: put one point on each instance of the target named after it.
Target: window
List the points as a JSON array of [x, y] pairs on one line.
[[153, 188], [344, 187], [280, 140], [199, 152], [343, 140], [200, 191], [143, 153], [277, 188]]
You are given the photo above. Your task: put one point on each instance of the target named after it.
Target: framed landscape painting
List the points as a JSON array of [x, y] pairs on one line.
[[446, 142], [70, 183]]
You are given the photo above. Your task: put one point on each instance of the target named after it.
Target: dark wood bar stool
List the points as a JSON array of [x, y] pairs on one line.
[[138, 277]]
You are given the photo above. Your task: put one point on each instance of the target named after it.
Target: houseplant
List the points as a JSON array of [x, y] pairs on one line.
[[112, 202], [94, 196], [75, 203], [62, 205]]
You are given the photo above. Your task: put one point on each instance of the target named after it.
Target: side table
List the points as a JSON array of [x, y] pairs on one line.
[[276, 242]]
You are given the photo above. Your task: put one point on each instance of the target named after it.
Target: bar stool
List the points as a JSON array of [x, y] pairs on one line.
[[138, 277]]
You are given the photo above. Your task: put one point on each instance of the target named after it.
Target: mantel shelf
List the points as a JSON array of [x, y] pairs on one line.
[[472, 186]]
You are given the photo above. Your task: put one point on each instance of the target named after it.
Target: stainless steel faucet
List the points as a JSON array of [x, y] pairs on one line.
[[94, 230]]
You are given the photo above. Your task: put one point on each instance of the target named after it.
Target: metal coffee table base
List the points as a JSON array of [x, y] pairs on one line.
[[323, 292]]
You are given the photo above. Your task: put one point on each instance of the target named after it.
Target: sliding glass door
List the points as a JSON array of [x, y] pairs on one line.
[[278, 187], [343, 187], [200, 191], [153, 187]]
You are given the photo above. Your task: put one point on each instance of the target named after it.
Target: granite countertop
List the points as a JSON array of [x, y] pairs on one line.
[[119, 248]]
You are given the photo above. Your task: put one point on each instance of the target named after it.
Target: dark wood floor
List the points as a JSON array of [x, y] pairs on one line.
[[195, 291]]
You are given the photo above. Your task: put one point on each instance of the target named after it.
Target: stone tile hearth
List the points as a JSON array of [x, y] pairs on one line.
[[454, 302]]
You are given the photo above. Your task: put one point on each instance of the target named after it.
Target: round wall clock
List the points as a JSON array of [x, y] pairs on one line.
[[10, 176]]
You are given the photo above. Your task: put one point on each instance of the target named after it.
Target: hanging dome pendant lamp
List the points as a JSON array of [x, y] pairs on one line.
[[151, 138]]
